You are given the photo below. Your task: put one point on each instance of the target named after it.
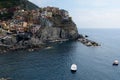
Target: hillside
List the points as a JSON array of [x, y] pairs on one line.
[[25, 26], [7, 7], [13, 3]]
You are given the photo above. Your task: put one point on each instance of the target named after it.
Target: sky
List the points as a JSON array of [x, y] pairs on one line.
[[88, 13]]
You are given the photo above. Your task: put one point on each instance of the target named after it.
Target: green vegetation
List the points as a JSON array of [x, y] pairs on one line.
[[4, 14], [9, 3], [7, 7]]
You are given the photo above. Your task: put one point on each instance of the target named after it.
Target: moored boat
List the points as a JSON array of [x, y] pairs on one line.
[[116, 62], [74, 67]]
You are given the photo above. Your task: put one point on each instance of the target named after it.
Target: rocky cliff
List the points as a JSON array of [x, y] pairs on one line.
[[58, 30], [33, 27]]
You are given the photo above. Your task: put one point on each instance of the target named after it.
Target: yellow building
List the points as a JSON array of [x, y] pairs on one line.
[[49, 14], [25, 24]]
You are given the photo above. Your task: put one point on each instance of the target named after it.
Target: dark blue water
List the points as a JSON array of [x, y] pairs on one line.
[[94, 63]]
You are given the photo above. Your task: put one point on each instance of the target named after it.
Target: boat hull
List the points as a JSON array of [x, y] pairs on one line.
[[74, 68], [114, 64]]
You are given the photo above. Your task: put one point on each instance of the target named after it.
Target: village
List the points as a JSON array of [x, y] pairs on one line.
[[30, 21]]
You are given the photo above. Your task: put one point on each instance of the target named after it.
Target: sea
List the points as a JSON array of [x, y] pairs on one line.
[[93, 63]]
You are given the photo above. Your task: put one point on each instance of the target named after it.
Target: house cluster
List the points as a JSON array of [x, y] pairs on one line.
[[30, 20], [49, 12]]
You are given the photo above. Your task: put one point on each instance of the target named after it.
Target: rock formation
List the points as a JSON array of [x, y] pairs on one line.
[[65, 30], [28, 26]]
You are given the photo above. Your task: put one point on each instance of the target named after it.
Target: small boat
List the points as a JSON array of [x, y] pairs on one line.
[[116, 62], [74, 67], [48, 47]]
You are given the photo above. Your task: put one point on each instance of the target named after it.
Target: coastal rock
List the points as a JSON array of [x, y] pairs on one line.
[[88, 42], [8, 40], [86, 36], [33, 42], [54, 33], [48, 33], [67, 30], [30, 27]]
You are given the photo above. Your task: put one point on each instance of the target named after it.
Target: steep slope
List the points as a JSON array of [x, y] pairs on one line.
[[13, 3], [58, 30], [7, 7], [24, 25]]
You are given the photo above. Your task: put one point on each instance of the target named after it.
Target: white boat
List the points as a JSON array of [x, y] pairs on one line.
[[73, 67], [116, 62]]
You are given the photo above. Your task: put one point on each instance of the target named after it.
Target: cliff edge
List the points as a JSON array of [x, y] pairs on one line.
[[23, 25]]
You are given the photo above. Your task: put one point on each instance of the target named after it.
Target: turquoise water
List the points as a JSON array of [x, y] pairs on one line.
[[94, 63]]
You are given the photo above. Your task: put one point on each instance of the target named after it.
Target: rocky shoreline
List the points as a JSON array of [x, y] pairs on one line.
[[6, 48], [87, 42], [42, 26], [30, 48], [34, 28]]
